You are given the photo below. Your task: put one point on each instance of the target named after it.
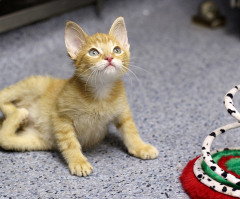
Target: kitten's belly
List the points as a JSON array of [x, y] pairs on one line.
[[90, 133]]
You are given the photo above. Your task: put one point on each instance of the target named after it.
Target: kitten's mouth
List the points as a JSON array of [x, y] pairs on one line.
[[109, 69], [109, 66]]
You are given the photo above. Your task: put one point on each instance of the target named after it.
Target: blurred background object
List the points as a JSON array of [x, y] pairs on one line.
[[209, 15], [16, 13], [235, 3]]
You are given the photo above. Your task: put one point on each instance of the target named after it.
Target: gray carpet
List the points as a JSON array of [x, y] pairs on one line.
[[176, 100]]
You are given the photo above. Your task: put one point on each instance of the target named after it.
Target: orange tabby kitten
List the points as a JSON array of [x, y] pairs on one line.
[[44, 113]]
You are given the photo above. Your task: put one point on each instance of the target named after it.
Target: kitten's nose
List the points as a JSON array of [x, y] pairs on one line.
[[109, 58]]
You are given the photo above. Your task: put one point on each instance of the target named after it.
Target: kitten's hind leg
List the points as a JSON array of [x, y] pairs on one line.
[[7, 97], [1, 122], [28, 89], [25, 140]]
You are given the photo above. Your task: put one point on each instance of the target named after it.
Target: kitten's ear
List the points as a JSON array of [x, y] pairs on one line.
[[119, 30], [75, 38]]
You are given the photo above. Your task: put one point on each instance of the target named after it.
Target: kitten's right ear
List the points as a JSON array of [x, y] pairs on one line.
[[75, 38]]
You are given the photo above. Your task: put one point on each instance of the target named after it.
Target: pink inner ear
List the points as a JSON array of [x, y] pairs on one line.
[[73, 42], [74, 38], [76, 42], [121, 34]]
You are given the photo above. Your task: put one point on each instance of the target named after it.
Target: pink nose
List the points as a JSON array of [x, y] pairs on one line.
[[109, 59]]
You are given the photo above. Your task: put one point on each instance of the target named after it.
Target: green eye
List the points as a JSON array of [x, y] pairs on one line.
[[93, 52], [117, 50]]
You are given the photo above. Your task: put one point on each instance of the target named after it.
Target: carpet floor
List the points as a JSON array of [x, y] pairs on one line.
[[176, 98]]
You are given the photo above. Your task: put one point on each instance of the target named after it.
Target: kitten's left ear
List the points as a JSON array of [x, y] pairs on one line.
[[119, 30], [75, 39]]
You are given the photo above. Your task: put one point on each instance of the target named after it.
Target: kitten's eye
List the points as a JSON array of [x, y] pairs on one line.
[[93, 52], [117, 50]]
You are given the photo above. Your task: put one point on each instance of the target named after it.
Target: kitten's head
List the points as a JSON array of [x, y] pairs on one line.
[[100, 56]]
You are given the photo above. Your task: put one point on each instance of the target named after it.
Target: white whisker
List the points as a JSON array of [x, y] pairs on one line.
[[127, 69], [101, 80], [138, 67], [95, 76], [128, 76], [89, 79], [88, 69]]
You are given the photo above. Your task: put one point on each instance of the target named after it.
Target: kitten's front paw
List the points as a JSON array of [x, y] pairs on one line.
[[80, 169], [145, 152]]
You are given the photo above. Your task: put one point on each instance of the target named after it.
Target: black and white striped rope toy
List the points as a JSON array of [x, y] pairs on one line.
[[215, 175]]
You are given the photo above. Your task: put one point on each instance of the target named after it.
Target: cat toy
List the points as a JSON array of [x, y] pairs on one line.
[[215, 175]]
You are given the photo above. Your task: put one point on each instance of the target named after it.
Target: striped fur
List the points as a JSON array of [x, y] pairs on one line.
[[44, 113]]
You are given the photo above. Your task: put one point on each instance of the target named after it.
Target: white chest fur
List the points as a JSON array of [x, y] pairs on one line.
[[91, 125]]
